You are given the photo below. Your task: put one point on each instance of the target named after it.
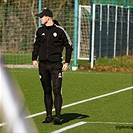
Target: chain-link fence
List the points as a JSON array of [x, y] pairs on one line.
[[18, 24], [114, 2]]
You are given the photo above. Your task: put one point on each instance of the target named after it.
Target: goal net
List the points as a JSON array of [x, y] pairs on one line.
[[84, 32], [107, 31]]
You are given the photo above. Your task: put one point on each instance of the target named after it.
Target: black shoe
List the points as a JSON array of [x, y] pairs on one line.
[[57, 120], [48, 120]]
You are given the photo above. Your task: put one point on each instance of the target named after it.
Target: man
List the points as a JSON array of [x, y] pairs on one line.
[[48, 46], [56, 22]]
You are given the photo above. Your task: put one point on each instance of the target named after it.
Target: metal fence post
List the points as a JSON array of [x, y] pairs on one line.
[[39, 10], [75, 64]]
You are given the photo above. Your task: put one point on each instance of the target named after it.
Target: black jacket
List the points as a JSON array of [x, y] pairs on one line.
[[49, 44]]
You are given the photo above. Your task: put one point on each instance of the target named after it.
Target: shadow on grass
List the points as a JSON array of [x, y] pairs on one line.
[[71, 116]]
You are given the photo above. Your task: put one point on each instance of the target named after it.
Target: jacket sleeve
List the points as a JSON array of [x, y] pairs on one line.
[[68, 46], [36, 47]]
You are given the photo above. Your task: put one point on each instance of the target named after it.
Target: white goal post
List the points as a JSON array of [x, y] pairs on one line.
[[104, 31], [84, 32]]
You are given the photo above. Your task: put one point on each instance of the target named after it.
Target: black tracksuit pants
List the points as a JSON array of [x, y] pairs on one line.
[[51, 80]]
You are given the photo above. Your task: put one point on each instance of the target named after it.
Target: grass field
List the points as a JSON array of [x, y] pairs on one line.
[[86, 108], [17, 58]]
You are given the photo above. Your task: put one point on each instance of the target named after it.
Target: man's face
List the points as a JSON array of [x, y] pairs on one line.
[[44, 19]]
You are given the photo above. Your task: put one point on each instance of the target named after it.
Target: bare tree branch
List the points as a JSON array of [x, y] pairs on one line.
[[32, 13]]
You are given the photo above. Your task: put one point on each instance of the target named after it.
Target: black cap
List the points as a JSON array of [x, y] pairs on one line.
[[45, 12]]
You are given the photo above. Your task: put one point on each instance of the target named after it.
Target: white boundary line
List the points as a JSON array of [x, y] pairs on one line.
[[86, 100], [69, 127], [97, 97], [79, 102], [113, 123], [81, 123]]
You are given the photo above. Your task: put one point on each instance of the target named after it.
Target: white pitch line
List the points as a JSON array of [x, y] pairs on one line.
[[97, 97], [90, 122], [34, 115], [69, 127], [113, 123], [86, 100]]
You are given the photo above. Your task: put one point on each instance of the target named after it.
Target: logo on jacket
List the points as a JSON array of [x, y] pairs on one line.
[[43, 34], [55, 34], [60, 75]]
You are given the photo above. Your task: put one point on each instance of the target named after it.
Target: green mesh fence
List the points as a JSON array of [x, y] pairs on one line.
[[115, 2], [18, 24]]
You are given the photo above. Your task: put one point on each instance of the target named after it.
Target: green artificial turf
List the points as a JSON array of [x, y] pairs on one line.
[[105, 114]]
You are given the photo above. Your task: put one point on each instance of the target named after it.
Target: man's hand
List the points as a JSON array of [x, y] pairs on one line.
[[65, 67], [35, 63]]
